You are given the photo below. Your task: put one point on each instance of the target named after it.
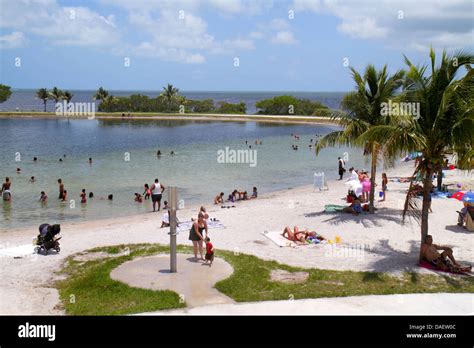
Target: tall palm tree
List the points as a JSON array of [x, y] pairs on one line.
[[43, 94], [56, 94], [445, 123], [363, 110], [67, 96], [169, 92], [101, 94]]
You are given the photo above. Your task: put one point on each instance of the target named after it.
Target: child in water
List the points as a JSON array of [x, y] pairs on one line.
[[43, 197], [138, 197], [147, 192], [83, 196]]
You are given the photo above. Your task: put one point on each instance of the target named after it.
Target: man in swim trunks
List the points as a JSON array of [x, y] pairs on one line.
[[445, 260], [156, 193], [61, 189]]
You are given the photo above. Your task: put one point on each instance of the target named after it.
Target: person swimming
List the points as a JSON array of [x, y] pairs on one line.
[[34, 159], [91, 194], [83, 196], [18, 170], [90, 160], [158, 153], [138, 197], [43, 197], [32, 179], [6, 193]]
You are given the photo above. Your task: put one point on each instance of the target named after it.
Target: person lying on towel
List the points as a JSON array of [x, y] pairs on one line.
[[445, 260], [299, 237]]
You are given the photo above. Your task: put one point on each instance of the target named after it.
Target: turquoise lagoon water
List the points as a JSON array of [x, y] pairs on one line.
[[194, 168]]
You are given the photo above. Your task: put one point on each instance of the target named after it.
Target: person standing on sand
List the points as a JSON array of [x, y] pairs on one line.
[[196, 235], [6, 193], [61, 190], [341, 167], [156, 193], [384, 186]]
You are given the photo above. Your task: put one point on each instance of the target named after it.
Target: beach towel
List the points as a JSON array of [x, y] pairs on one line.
[[333, 208], [186, 225], [278, 239], [439, 194], [431, 267], [18, 251]]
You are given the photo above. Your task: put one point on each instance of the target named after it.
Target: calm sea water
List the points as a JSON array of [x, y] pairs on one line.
[[194, 167], [25, 100]]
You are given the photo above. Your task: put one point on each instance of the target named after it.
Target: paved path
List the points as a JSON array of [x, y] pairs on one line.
[[412, 304], [194, 281]]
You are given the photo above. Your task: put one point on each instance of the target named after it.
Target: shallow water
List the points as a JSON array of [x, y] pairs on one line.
[[124, 158]]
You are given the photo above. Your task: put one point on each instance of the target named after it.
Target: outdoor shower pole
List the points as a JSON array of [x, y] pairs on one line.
[[173, 206]]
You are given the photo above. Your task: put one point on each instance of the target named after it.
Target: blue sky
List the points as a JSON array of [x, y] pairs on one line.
[[294, 45]]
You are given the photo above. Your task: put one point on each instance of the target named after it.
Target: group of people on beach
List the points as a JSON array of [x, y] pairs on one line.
[[360, 186], [235, 196]]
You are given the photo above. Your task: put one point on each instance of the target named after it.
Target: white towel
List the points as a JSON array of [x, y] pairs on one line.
[[18, 251], [278, 239], [186, 225]]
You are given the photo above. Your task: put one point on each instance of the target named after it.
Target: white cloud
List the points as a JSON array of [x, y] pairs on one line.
[[62, 25], [306, 5], [362, 28], [407, 23], [284, 37], [14, 40], [278, 31]]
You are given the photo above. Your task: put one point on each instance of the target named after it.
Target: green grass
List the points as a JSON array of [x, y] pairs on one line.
[[97, 294]]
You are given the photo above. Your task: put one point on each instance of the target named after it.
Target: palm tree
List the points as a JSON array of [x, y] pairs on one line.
[[169, 92], [56, 94], [445, 123], [68, 96], [43, 94], [101, 94], [363, 110]]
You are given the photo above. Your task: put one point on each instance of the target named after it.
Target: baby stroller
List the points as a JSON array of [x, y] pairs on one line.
[[47, 238]]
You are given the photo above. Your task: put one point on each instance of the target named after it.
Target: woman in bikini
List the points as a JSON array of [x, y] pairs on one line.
[[297, 236]]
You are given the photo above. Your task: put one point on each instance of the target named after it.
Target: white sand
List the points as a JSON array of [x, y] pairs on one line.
[[369, 242]]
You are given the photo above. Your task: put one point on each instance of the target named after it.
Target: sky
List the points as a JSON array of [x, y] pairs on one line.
[[220, 45]]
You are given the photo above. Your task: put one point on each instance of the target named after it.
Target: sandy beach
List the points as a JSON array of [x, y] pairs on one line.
[[378, 242]]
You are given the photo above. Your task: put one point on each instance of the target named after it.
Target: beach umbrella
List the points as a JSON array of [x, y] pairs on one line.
[[468, 197], [457, 195]]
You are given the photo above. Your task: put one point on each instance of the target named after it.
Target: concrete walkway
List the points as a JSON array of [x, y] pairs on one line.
[[412, 304], [194, 281]]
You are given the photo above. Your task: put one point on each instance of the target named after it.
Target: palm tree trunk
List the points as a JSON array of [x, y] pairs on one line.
[[44, 102], [427, 185], [373, 168]]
